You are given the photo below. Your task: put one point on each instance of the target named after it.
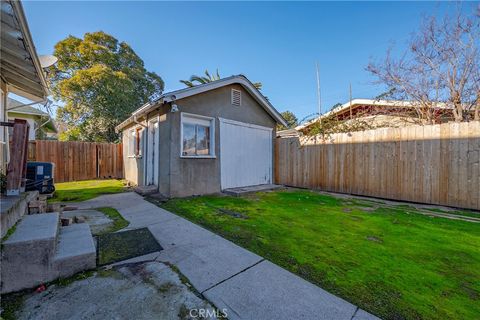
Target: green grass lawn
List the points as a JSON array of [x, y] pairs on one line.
[[388, 260], [84, 190]]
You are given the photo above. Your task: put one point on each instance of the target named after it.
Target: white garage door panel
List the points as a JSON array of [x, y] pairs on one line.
[[245, 154]]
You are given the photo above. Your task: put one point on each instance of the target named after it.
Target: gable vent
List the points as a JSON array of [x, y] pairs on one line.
[[236, 97]]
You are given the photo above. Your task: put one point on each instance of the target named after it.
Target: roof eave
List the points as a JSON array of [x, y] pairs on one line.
[[140, 112], [44, 115], [18, 9], [240, 79], [187, 92]]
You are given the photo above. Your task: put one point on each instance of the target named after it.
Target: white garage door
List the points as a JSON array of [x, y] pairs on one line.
[[245, 154]]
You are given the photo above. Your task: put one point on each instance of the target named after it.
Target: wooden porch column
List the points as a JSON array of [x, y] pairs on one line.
[[17, 166]]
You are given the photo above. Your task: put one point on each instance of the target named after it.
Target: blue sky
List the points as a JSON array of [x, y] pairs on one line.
[[276, 43]]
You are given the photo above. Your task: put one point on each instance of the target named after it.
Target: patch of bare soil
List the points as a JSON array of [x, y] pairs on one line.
[[374, 239]]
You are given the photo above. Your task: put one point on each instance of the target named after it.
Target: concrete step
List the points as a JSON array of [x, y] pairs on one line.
[[26, 254], [13, 208], [146, 190], [75, 250]]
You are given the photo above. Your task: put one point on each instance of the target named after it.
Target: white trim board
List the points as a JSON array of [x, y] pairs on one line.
[[152, 164], [245, 124]]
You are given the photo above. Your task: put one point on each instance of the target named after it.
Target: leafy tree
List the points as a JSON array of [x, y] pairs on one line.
[[291, 119], [99, 81], [196, 80], [72, 134]]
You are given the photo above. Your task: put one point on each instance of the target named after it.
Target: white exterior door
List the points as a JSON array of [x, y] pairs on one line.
[[245, 154], [152, 153]]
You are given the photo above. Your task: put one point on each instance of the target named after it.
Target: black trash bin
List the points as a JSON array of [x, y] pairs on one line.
[[40, 177]]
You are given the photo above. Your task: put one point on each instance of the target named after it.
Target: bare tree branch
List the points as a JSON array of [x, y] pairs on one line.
[[440, 67]]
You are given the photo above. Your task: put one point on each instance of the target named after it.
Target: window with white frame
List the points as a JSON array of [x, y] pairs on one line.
[[131, 143], [197, 134], [138, 141], [135, 142]]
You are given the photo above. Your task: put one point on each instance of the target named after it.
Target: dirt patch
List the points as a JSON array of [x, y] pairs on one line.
[[470, 291], [367, 209], [374, 239], [231, 213]]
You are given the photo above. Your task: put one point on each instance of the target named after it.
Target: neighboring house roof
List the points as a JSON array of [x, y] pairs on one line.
[[14, 106], [190, 91], [356, 103], [288, 133], [19, 62]]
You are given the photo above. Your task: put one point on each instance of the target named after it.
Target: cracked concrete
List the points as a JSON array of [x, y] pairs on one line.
[[144, 290], [232, 278]]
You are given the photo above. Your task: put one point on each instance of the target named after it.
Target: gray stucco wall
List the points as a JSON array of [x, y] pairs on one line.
[[202, 176], [164, 127], [180, 177]]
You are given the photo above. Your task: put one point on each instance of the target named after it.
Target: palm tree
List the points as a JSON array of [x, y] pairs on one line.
[[196, 80]]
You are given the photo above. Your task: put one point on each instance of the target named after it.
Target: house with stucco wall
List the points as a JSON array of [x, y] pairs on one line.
[[41, 124], [202, 139]]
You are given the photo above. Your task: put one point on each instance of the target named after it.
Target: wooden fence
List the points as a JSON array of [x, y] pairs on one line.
[[79, 160], [438, 164]]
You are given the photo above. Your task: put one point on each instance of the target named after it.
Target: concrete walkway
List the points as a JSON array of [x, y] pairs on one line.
[[245, 284]]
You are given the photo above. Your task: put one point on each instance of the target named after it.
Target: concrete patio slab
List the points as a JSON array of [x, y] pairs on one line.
[[267, 291], [148, 290], [180, 232], [237, 192], [139, 212], [203, 257], [212, 264], [145, 258]]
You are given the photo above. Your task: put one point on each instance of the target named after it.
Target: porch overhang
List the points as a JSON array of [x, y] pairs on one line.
[[19, 63]]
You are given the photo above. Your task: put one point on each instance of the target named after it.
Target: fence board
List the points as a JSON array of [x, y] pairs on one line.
[[76, 161], [437, 164]]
